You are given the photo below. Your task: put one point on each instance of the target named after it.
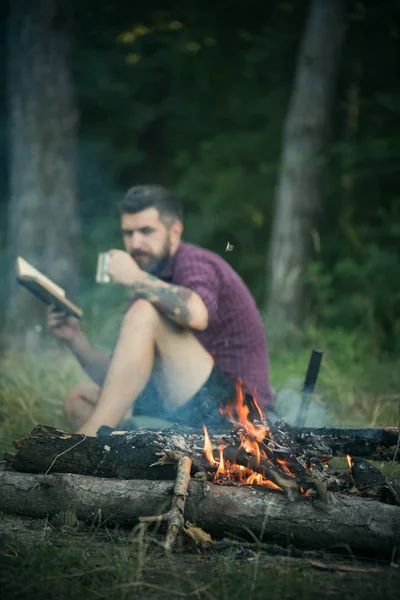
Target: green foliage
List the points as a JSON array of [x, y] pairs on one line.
[[355, 276], [361, 292], [195, 99], [356, 386], [195, 96]]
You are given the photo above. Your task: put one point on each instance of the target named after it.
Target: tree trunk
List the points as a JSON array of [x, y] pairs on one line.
[[299, 189], [365, 526], [42, 222]]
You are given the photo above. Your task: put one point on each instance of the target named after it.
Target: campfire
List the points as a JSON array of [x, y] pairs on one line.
[[221, 481], [256, 457], [253, 439]]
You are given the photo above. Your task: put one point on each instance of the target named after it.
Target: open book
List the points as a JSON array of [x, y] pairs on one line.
[[43, 288]]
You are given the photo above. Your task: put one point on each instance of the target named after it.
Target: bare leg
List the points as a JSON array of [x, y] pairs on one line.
[[80, 403], [185, 365]]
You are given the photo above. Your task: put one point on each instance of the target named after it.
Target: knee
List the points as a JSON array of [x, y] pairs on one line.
[[72, 400], [77, 398], [141, 312]]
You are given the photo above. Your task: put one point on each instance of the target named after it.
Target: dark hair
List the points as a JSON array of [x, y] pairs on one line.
[[140, 197]]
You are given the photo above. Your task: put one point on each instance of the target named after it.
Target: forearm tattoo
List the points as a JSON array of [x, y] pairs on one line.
[[171, 300]]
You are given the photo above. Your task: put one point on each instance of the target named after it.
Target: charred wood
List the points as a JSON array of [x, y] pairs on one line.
[[136, 455], [372, 443], [129, 455], [153, 454]]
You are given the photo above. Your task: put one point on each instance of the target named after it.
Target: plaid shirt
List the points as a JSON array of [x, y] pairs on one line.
[[235, 335]]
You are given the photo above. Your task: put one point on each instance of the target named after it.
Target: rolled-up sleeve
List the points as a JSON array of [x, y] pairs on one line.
[[202, 278]]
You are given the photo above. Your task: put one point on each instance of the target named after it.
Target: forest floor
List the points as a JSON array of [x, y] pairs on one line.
[[40, 560]]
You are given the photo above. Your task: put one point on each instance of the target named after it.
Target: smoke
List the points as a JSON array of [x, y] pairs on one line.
[[287, 405]]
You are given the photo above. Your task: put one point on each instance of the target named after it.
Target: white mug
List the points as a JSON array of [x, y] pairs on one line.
[[102, 264]]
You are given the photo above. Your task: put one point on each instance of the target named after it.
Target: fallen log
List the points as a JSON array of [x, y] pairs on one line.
[[365, 526], [129, 455], [126, 456], [143, 454], [150, 454], [377, 444]]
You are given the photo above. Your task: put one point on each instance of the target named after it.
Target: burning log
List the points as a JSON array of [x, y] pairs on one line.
[[132, 452], [368, 527], [151, 455], [276, 458], [276, 477], [279, 457]]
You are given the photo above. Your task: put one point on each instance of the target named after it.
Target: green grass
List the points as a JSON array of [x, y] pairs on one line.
[[118, 566], [32, 389], [358, 387]]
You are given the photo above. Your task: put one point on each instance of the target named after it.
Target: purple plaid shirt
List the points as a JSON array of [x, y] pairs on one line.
[[235, 335]]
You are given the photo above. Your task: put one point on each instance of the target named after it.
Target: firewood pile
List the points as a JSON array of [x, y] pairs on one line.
[[273, 482]]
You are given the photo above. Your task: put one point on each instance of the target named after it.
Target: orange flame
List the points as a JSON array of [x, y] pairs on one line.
[[251, 438], [259, 479], [284, 467], [256, 405], [221, 467], [242, 411], [252, 447], [350, 461], [208, 450]]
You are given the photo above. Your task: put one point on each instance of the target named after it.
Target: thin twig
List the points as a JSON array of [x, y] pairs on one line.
[[64, 452], [174, 516]]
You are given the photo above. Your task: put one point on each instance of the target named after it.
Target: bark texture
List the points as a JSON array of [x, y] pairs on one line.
[[144, 453], [299, 190], [366, 526], [129, 455], [43, 223], [375, 443]]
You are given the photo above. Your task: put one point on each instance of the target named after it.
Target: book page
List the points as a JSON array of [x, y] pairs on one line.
[[24, 269]]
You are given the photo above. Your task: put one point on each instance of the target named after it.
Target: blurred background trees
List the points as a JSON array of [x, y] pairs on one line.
[[300, 190], [42, 220], [195, 96]]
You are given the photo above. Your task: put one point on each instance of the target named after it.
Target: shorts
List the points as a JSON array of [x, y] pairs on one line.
[[202, 409]]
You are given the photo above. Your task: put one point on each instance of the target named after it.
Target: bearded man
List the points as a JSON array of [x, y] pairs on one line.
[[190, 334]]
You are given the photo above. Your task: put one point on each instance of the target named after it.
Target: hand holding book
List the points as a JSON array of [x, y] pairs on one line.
[[43, 288], [62, 325]]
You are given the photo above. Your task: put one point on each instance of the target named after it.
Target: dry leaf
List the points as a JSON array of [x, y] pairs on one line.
[[199, 537]]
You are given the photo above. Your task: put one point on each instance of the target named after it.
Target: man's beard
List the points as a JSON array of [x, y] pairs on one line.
[[154, 265]]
